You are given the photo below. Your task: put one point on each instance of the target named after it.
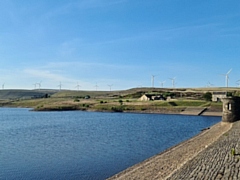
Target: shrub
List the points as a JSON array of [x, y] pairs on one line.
[[121, 102], [76, 100], [233, 152], [117, 109], [207, 96]]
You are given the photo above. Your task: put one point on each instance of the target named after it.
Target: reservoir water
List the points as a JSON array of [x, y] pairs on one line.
[[86, 145]]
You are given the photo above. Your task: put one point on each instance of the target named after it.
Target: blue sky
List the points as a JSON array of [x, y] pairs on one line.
[[119, 43]]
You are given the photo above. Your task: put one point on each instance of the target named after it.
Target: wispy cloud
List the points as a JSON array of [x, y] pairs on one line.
[[161, 33], [85, 64], [81, 5], [45, 74]]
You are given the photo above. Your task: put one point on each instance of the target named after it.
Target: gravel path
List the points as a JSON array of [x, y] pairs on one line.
[[171, 163], [216, 161]]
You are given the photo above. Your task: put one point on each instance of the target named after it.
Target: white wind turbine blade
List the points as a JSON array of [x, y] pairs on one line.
[[229, 71]]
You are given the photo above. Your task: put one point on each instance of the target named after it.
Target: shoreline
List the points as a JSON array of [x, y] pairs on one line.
[[209, 113], [164, 164], [170, 112]]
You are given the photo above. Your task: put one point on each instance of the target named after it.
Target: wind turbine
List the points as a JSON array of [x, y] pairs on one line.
[[238, 83], [39, 85], [60, 86], [78, 86], [162, 83], [209, 84], [153, 76], [3, 85], [110, 87], [227, 76], [173, 81], [96, 86], [35, 85]]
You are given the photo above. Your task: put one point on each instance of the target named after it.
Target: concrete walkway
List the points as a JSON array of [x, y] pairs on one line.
[[216, 161], [164, 165], [193, 111]]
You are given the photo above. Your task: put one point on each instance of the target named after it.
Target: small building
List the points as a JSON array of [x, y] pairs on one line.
[[146, 97], [217, 96], [151, 97], [159, 97]]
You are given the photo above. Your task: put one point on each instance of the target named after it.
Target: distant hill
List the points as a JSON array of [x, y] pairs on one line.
[[129, 93], [24, 94]]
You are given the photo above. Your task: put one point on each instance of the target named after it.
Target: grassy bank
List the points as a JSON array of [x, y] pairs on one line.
[[110, 105], [111, 101]]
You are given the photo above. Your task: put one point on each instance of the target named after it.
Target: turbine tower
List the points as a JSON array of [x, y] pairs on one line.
[[209, 84], [227, 77], [39, 85], [173, 81], [162, 83], [96, 86], [60, 86], [35, 85], [238, 83], [3, 85], [110, 87], [153, 76], [77, 86]]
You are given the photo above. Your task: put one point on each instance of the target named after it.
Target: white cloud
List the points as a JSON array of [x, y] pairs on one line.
[[44, 74]]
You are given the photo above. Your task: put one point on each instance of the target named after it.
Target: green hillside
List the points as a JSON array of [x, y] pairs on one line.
[[129, 93], [24, 94]]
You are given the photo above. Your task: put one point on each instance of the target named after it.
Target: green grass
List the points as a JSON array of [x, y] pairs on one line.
[[181, 103], [195, 103]]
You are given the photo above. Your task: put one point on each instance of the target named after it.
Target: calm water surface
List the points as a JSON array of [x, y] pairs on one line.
[[86, 145]]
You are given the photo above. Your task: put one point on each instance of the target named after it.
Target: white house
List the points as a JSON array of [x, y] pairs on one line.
[[149, 97], [217, 96], [146, 97]]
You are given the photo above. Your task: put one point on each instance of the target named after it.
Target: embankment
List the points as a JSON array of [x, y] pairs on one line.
[[163, 165]]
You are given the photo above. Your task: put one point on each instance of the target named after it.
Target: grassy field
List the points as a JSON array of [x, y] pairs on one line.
[[115, 101]]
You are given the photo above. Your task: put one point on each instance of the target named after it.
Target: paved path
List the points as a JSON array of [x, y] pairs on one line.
[[193, 111], [165, 164], [216, 161]]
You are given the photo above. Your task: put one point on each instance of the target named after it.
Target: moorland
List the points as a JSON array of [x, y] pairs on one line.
[[175, 101]]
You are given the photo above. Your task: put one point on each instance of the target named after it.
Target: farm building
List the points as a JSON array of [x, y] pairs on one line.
[[146, 97], [217, 96], [151, 97]]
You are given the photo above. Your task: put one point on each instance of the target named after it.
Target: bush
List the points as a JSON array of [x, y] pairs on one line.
[[207, 96], [87, 97], [117, 109], [121, 102], [76, 100], [166, 94]]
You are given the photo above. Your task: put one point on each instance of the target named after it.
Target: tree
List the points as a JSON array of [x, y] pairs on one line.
[[120, 101], [207, 96]]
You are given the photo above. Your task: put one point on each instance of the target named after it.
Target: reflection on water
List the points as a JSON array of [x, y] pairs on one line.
[[86, 145]]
